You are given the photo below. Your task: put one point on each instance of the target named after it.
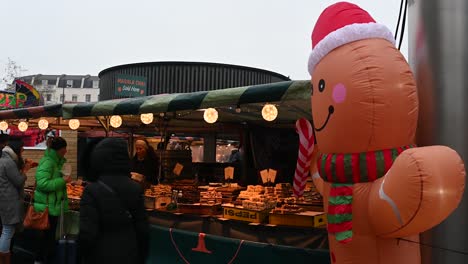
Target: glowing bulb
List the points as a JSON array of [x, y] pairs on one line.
[[146, 118], [23, 126], [3, 125], [43, 124], [74, 124], [116, 121], [210, 115], [269, 112]]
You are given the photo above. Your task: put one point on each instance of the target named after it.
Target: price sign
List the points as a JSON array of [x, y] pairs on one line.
[[229, 173], [272, 175], [264, 174], [178, 169]]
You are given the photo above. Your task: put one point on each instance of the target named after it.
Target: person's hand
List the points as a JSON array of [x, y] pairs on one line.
[[137, 177], [27, 166], [67, 179]]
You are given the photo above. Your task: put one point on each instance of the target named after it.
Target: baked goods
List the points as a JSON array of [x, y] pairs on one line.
[[189, 191], [256, 198], [211, 197], [288, 209], [74, 191], [158, 190], [259, 204], [283, 190]]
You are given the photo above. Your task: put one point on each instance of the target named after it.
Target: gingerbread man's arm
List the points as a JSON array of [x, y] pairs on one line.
[[423, 186]]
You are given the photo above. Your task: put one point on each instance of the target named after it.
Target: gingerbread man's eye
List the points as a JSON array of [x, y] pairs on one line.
[[321, 85]]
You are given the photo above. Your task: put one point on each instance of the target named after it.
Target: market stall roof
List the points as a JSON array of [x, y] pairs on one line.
[[179, 112], [291, 97], [32, 112]]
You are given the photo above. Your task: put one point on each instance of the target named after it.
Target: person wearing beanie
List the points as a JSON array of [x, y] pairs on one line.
[[113, 222], [12, 178], [51, 192]]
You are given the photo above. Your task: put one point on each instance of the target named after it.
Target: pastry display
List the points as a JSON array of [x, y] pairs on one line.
[[283, 190], [211, 197], [158, 190], [259, 204], [288, 209], [188, 191]]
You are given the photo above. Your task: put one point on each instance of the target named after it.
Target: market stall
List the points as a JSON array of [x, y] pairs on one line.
[[263, 211]]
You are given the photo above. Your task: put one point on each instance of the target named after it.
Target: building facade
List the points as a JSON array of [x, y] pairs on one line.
[[65, 88], [151, 78]]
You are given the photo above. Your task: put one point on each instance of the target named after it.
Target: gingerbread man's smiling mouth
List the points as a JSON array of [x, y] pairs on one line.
[[331, 110]]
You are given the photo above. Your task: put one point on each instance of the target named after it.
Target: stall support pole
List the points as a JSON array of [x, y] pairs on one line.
[[104, 123], [209, 148], [438, 40]]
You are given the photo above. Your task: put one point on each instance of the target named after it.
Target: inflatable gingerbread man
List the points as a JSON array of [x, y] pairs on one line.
[[378, 187]]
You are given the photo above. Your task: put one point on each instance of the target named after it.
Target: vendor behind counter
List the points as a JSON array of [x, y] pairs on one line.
[[145, 165]]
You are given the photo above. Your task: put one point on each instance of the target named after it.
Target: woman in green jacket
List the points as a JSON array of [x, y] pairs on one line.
[[50, 191]]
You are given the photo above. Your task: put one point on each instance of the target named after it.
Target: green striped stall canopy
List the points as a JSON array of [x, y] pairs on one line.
[[292, 99], [32, 112]]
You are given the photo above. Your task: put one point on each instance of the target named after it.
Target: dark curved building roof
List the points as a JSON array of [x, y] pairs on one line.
[[183, 77]]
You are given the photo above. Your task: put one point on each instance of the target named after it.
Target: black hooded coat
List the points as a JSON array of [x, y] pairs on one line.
[[113, 222]]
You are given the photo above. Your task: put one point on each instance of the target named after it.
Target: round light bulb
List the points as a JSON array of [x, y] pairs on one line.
[[74, 124], [43, 124], [210, 115], [23, 126], [116, 121], [147, 118], [269, 112], [3, 125]]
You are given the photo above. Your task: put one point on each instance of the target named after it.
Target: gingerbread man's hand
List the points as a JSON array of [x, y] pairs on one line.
[[421, 189]]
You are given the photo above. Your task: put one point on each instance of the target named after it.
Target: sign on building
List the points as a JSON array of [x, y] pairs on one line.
[[130, 85]]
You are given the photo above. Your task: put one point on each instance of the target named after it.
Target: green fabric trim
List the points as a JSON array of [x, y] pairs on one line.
[[324, 163], [104, 107], [380, 162], [220, 97], [394, 154], [157, 103], [340, 200], [298, 90], [363, 166], [333, 168], [344, 235], [348, 166], [339, 218], [334, 185]]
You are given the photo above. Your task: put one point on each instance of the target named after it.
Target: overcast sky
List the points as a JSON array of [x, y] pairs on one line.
[[87, 36]]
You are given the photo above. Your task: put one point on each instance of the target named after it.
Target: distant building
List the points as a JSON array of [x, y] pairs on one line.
[[65, 88]]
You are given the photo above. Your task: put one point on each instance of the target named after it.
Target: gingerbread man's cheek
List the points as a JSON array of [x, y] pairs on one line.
[[339, 93]]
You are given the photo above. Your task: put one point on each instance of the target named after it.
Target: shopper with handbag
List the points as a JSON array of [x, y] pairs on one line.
[[113, 223], [13, 171], [50, 192]]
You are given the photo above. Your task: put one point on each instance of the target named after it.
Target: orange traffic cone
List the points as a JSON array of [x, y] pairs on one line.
[[201, 247]]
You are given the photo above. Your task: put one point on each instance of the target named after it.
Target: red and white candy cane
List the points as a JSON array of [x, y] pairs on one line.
[[306, 147]]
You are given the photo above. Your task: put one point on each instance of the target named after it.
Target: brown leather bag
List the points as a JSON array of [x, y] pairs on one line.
[[36, 220]]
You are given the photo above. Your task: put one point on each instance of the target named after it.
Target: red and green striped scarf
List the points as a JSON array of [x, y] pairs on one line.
[[344, 170]]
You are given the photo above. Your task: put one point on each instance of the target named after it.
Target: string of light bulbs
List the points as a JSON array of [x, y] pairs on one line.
[[210, 115]]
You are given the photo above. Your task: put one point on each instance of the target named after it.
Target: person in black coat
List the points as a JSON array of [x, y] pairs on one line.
[[113, 221], [145, 165]]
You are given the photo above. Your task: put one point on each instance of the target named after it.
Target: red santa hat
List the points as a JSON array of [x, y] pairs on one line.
[[342, 23]]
